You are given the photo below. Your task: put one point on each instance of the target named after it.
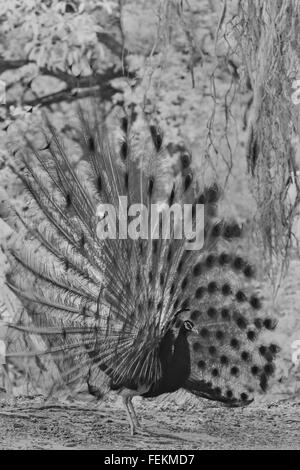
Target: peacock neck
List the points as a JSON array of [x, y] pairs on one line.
[[174, 356]]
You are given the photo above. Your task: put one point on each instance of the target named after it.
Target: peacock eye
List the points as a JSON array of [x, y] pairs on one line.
[[188, 325]]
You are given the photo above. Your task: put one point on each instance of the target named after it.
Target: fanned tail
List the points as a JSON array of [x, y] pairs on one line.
[[105, 304]]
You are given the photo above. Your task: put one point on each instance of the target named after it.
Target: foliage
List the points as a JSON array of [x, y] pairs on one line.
[[268, 35]]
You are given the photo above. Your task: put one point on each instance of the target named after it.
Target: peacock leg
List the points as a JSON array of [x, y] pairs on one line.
[[126, 400], [7, 382], [135, 418]]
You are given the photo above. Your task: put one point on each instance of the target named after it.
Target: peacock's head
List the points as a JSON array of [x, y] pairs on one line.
[[183, 323]]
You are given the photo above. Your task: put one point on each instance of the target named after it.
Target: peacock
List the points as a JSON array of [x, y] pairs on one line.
[[144, 315]]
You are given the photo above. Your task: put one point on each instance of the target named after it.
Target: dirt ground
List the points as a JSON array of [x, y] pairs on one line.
[[32, 424]]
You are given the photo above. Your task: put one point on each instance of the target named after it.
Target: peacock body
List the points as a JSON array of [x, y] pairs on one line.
[[150, 315]]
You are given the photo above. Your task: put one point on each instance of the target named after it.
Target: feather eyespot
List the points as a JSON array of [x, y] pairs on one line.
[[184, 283], [99, 184], [197, 347], [157, 137], [258, 323], [249, 271], [68, 200], [270, 324], [185, 160], [201, 365], [213, 194], [241, 322], [150, 186], [188, 181], [224, 258], [240, 296], [234, 371], [212, 287], [91, 144], [200, 292], [172, 196], [220, 335], [226, 290], [216, 230], [269, 369], [255, 302], [225, 313], [232, 231], [255, 370], [210, 261], [251, 335], [274, 348], [224, 360], [262, 350], [197, 270], [195, 315], [201, 199], [234, 343], [245, 356], [238, 263], [124, 124], [212, 312], [263, 382], [204, 332], [124, 150]]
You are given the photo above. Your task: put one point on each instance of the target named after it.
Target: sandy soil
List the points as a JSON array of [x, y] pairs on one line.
[[32, 424]]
